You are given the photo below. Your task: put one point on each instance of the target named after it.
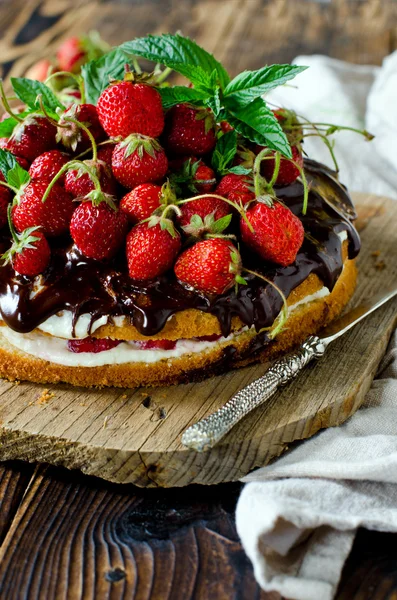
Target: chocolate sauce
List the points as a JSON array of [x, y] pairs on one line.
[[73, 282]]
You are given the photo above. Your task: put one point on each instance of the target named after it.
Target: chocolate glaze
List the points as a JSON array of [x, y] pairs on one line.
[[73, 282]]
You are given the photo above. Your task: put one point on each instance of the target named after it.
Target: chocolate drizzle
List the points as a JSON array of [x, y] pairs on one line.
[[81, 285]]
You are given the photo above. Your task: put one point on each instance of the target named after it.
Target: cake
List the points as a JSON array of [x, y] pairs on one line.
[[94, 312]]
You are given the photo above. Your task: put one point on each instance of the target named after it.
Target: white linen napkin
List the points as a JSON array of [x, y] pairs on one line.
[[297, 517]]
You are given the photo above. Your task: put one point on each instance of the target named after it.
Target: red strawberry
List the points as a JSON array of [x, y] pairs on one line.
[[139, 160], [226, 127], [78, 182], [5, 199], [189, 130], [98, 231], [236, 188], [34, 136], [71, 55], [193, 173], [47, 165], [288, 172], [203, 207], [204, 179], [105, 153], [29, 253], [127, 107], [93, 345], [53, 215], [141, 202], [157, 344], [210, 266], [151, 251], [74, 137], [278, 234], [40, 70]]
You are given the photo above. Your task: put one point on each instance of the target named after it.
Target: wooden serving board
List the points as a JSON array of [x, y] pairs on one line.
[[134, 435]]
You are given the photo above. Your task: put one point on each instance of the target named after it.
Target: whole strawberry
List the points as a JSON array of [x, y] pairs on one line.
[[127, 107], [151, 251], [98, 230], [79, 183], [211, 266], [34, 136], [53, 215], [236, 188], [140, 203], [139, 159], [288, 172], [74, 137], [105, 154], [277, 233], [40, 70], [193, 174], [47, 165], [203, 207], [189, 130], [29, 253], [71, 55]]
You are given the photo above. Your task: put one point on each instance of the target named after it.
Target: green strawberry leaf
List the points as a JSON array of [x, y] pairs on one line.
[[17, 176], [249, 85], [28, 90], [181, 54], [174, 95], [256, 122], [7, 162], [98, 73], [224, 152], [7, 127], [239, 170], [221, 224]]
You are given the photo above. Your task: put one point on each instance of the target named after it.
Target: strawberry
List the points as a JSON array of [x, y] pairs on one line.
[[288, 172], [5, 199], [189, 130], [194, 174], [139, 159], [151, 251], [29, 253], [278, 234], [141, 202], [93, 345], [210, 266], [203, 207], [157, 344], [47, 165], [98, 230], [79, 183], [127, 107], [236, 188], [204, 179], [74, 137], [71, 55], [105, 154], [53, 215], [34, 136], [40, 70]]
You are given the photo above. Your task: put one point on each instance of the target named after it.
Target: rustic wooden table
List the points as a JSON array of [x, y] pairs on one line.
[[65, 535]]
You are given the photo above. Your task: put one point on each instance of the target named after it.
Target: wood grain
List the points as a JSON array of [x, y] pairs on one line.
[[133, 436], [14, 477], [75, 537]]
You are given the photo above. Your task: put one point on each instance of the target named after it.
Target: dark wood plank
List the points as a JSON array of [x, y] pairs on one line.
[[75, 536], [14, 478]]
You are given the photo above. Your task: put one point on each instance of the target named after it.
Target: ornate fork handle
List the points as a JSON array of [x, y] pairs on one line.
[[206, 433]]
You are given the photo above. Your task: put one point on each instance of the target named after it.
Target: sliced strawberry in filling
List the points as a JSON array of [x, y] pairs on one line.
[[93, 345], [157, 345]]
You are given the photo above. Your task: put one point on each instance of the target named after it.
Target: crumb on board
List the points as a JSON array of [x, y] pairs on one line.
[[45, 396], [380, 265], [83, 404], [124, 397], [105, 422], [376, 253]]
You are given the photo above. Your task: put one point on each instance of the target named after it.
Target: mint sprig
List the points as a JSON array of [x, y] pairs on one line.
[[98, 73], [249, 85], [28, 90], [177, 94]]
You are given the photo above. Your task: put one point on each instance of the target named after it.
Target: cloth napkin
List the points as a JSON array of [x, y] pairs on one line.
[[297, 517]]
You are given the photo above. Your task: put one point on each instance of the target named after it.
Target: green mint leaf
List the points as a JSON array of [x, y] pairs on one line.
[[17, 176], [239, 170], [98, 73], [256, 122], [181, 54], [249, 85], [174, 95], [7, 162], [7, 127], [214, 102], [224, 152], [28, 90]]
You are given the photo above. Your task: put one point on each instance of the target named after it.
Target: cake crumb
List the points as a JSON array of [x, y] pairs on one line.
[[380, 265], [82, 404], [124, 397], [375, 254], [45, 396]]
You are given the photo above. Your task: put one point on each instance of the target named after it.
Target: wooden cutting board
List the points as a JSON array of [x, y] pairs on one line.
[[134, 435]]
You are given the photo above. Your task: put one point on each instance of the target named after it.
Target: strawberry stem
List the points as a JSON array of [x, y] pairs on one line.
[[11, 224], [45, 113], [77, 78], [70, 165], [277, 162], [10, 187], [90, 136], [162, 76], [235, 205], [283, 315], [6, 105]]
